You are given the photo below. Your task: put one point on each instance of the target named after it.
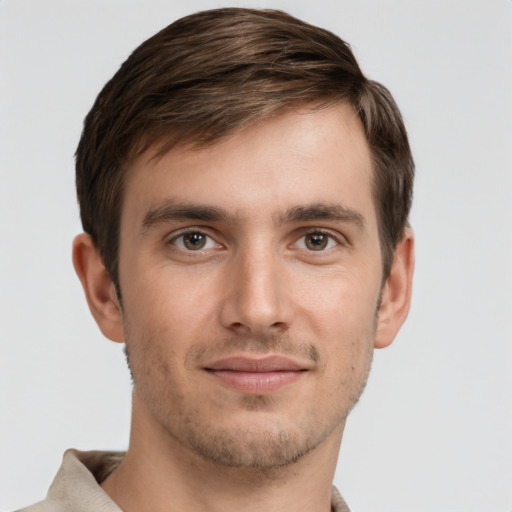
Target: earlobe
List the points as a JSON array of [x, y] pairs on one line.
[[98, 287], [396, 294]]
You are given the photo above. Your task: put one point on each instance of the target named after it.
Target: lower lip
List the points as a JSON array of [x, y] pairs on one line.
[[257, 382]]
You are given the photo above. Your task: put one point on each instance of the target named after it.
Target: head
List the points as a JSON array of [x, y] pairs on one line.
[[245, 190], [210, 74]]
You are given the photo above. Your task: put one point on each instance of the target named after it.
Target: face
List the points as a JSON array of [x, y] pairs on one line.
[[250, 275]]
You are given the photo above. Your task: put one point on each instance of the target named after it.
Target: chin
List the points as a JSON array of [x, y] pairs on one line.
[[269, 445]]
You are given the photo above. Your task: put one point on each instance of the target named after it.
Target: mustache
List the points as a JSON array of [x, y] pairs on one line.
[[264, 344]]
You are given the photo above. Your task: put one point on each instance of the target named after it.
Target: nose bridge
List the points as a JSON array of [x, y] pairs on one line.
[[256, 303]]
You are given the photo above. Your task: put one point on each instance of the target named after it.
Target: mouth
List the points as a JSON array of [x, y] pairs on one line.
[[256, 375]]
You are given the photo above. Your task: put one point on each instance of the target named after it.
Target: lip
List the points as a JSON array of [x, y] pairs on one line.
[[256, 375], [256, 365]]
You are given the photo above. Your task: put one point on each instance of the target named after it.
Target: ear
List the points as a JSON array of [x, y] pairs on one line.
[[98, 287], [396, 293]]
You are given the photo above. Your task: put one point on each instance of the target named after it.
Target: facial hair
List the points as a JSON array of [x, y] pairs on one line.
[[264, 445]]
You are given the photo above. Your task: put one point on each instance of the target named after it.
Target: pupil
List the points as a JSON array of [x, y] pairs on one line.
[[195, 241], [316, 241]]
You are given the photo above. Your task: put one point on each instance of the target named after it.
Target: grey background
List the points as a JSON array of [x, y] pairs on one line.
[[433, 430]]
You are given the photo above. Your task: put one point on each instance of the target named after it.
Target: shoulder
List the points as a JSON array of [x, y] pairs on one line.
[[337, 502], [76, 487], [46, 506]]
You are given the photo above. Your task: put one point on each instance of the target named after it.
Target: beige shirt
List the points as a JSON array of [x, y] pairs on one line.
[[76, 488]]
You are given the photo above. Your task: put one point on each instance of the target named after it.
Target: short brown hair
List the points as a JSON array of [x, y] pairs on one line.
[[207, 75]]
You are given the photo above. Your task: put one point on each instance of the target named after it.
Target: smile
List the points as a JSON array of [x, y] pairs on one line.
[[256, 376]]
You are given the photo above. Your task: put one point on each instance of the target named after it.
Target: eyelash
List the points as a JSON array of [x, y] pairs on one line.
[[190, 231], [337, 238]]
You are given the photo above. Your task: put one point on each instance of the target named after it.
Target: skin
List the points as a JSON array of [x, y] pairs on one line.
[[258, 287]]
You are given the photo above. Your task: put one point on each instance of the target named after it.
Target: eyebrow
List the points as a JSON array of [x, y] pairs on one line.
[[187, 211], [322, 211], [179, 211]]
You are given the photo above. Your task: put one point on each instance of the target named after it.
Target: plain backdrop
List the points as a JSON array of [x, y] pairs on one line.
[[433, 430]]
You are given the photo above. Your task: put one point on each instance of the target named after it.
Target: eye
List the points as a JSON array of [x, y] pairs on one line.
[[316, 241], [194, 241]]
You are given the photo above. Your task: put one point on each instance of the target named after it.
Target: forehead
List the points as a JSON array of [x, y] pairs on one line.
[[293, 159]]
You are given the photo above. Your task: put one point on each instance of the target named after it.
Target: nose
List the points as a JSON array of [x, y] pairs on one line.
[[257, 298]]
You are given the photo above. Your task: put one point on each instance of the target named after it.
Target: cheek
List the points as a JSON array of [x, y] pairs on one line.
[[339, 306], [341, 317], [164, 318], [156, 347], [166, 301]]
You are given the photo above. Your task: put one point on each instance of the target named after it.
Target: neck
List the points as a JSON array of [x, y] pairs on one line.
[[160, 474]]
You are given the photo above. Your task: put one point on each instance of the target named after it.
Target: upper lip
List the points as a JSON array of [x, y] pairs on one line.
[[255, 365]]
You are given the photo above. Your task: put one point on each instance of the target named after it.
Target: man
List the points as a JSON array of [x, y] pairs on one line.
[[244, 192]]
